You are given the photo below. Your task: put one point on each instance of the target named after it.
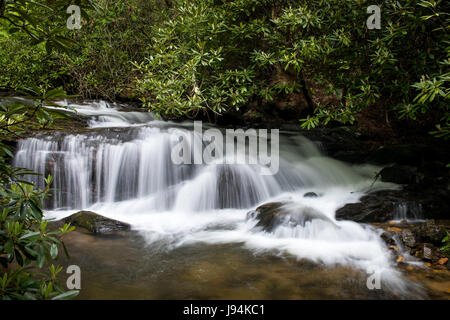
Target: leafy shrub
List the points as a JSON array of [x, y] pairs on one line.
[[446, 247], [217, 56], [27, 245]]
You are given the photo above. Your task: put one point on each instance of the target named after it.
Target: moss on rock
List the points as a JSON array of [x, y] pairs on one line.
[[95, 223]]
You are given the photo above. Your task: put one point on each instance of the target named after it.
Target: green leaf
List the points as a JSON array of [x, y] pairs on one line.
[[9, 247], [30, 235], [19, 257], [55, 93], [41, 257], [67, 295], [54, 251]]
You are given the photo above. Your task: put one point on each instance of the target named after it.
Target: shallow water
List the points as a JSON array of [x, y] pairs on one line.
[[124, 266]]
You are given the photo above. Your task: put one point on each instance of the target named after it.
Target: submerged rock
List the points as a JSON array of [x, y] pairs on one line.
[[95, 223], [273, 214], [310, 195]]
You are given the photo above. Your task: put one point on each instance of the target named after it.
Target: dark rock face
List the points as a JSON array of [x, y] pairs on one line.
[[420, 168], [399, 174], [341, 143], [402, 155], [273, 214], [381, 206], [95, 223], [375, 207]]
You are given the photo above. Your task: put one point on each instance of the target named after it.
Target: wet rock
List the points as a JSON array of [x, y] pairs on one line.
[[272, 215], [429, 232], [310, 195], [385, 205], [375, 207], [426, 252], [415, 239], [408, 238], [95, 223], [394, 229], [399, 174], [388, 237], [395, 248]]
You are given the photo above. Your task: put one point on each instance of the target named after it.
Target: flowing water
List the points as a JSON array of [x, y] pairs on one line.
[[191, 236]]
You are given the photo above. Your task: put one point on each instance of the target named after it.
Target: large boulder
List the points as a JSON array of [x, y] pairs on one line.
[[95, 223], [374, 207], [273, 214], [385, 205]]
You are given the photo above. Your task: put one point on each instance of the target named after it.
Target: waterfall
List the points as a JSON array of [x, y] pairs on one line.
[[122, 169], [135, 163], [410, 211]]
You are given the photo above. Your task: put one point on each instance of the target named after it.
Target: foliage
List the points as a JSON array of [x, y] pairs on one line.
[[27, 245], [114, 35], [42, 21], [23, 66], [218, 56], [32, 34], [213, 56], [26, 239], [201, 58], [446, 247]]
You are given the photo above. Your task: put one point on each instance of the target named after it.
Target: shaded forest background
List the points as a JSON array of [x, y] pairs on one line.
[[252, 60]]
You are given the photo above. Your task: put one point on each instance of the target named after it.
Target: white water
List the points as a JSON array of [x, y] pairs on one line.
[[125, 172]]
